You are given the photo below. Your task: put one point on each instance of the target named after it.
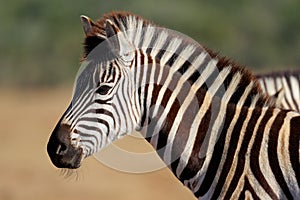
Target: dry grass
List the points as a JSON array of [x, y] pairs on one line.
[[27, 118]]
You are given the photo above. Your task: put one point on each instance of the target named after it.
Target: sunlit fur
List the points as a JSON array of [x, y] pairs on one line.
[[218, 133]]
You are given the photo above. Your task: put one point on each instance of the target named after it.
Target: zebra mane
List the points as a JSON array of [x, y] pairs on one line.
[[98, 34], [126, 21], [285, 73]]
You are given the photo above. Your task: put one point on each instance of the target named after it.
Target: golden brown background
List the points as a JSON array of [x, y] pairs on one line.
[[26, 171]]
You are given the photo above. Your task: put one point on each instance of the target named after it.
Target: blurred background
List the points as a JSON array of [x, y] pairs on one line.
[[40, 48]]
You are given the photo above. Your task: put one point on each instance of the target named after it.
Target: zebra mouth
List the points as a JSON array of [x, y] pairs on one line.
[[70, 159]]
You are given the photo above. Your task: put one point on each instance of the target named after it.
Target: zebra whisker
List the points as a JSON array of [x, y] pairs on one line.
[[70, 174]]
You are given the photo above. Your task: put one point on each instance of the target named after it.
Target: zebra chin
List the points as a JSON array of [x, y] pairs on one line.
[[60, 150]]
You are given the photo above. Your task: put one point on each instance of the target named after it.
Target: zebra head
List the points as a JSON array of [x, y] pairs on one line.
[[94, 118]]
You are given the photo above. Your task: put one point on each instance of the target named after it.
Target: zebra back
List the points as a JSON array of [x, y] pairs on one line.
[[284, 86]]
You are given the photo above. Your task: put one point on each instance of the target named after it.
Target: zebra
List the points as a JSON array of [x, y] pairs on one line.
[[205, 115], [284, 86]]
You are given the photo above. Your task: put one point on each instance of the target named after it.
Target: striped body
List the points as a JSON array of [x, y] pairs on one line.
[[285, 86], [205, 116]]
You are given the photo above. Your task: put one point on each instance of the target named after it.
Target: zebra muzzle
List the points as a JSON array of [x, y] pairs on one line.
[[61, 149]]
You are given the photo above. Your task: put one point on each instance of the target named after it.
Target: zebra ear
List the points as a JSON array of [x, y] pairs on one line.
[[87, 24], [119, 42]]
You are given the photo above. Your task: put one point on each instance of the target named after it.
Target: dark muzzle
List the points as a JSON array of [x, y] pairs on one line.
[[60, 150]]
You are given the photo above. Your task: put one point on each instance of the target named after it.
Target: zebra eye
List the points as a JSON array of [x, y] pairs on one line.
[[103, 90]]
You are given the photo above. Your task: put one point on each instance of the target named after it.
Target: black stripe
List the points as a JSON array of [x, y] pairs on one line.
[[102, 79], [285, 93], [217, 153], [242, 86], [123, 107], [288, 80], [234, 139], [85, 98], [93, 128], [101, 121], [151, 121], [184, 67], [184, 127], [272, 153], [263, 80], [168, 123], [275, 85], [198, 70], [90, 142], [144, 103], [100, 101], [195, 163], [249, 188], [294, 146], [100, 111], [254, 155], [142, 97], [89, 135], [115, 122], [172, 59]]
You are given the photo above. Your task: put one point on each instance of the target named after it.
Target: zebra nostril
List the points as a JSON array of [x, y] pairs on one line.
[[61, 149]]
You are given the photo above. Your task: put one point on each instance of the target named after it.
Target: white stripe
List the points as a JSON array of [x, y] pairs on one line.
[[231, 127], [211, 138], [261, 83], [79, 109], [247, 170], [264, 163], [219, 81], [170, 50], [138, 33], [189, 97], [179, 61], [172, 71], [118, 110], [132, 28], [259, 190], [295, 91], [288, 93], [148, 35], [135, 85], [284, 155], [278, 83], [219, 122], [270, 86]]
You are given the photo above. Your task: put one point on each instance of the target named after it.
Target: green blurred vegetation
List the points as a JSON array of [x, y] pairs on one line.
[[41, 41]]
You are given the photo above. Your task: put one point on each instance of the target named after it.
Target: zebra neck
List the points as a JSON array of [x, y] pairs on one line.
[[202, 155], [198, 129]]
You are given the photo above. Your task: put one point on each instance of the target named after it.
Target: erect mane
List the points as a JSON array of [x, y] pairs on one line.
[[123, 21], [248, 77], [98, 34]]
